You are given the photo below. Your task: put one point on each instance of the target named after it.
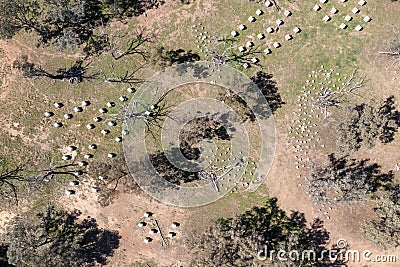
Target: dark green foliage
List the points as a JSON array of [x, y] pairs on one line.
[[364, 124], [58, 238], [346, 180], [186, 2], [3, 256], [237, 241], [18, 14], [268, 87], [66, 23], [385, 231]]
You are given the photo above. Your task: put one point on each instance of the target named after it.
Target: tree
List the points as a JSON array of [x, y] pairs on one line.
[[223, 50], [58, 238], [126, 77], [151, 110], [169, 171], [131, 47], [202, 128], [44, 176], [241, 240], [128, 8], [3, 256], [329, 97], [10, 179], [345, 180], [385, 231], [119, 44], [66, 23], [363, 124]]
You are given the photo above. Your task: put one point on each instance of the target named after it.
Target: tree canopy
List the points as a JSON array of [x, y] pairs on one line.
[[238, 241], [385, 230], [345, 180], [364, 124], [58, 238], [65, 23]]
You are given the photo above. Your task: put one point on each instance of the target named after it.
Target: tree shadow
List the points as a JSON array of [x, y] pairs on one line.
[[177, 56], [261, 231], [169, 171], [248, 102], [3, 256], [77, 72], [199, 71], [98, 244], [110, 177], [388, 109], [188, 151], [269, 90]]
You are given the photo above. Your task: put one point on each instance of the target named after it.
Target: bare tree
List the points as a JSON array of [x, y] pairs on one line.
[[46, 175], [127, 77], [150, 111], [385, 229], [335, 98], [362, 125], [224, 50], [215, 174], [9, 180], [112, 179], [131, 47], [49, 169]]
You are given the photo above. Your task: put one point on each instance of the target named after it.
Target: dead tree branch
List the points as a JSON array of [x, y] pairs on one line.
[[46, 175], [8, 180], [334, 98], [213, 177], [132, 47], [128, 77]]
